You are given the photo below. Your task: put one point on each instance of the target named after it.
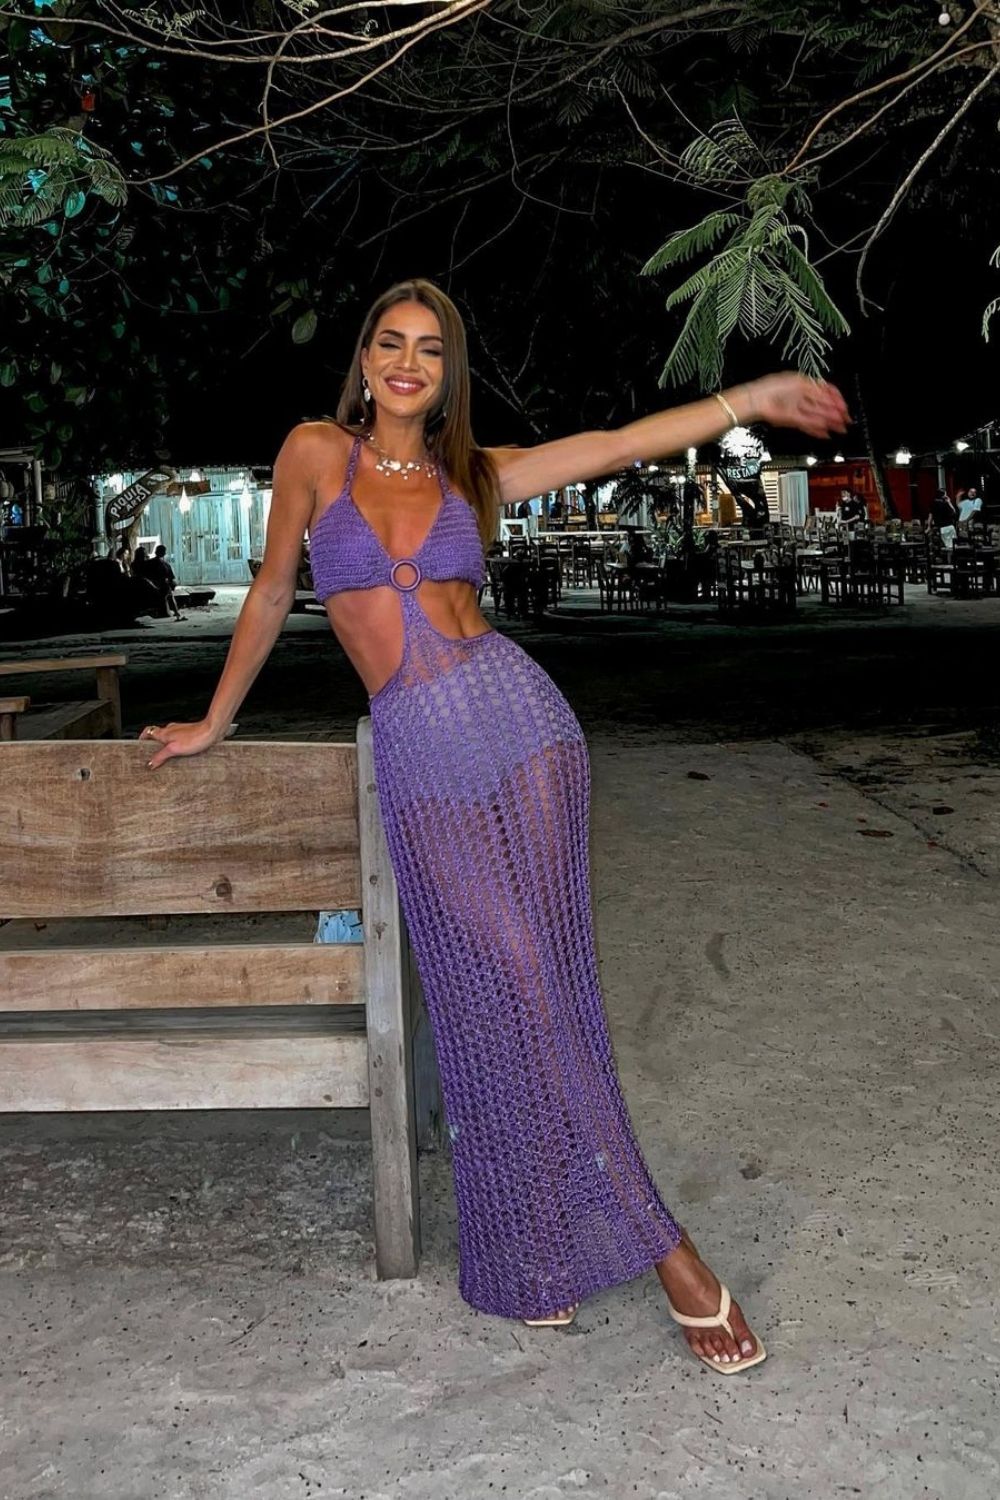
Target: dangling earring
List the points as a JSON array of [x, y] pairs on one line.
[[366, 390]]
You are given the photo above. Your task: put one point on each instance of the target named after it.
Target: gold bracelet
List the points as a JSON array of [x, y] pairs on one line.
[[734, 420]]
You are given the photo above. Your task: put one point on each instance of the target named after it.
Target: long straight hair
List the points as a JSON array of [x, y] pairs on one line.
[[448, 433]]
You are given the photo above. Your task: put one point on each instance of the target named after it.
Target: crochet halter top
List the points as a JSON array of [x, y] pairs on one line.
[[345, 553]]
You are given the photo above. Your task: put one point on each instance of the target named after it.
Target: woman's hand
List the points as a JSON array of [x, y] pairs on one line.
[[180, 739], [792, 400]]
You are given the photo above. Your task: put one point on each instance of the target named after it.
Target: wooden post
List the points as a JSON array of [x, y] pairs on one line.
[[109, 690], [9, 710], [390, 1060], [426, 1082]]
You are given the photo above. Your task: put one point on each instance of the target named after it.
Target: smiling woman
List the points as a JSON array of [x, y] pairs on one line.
[[483, 782]]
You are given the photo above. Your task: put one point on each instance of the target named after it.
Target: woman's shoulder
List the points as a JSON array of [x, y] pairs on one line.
[[313, 451], [321, 436]]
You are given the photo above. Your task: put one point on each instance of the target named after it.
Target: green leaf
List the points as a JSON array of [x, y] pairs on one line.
[[8, 374], [304, 327], [74, 205], [192, 302]]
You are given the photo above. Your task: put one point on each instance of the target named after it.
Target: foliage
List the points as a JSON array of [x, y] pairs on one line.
[[759, 282], [281, 165]]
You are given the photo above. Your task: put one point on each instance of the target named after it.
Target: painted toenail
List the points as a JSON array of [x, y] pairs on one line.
[[716, 1357], [725, 1359], [747, 1346]]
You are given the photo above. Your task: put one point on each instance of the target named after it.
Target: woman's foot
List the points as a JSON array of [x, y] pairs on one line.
[[561, 1318], [693, 1290]]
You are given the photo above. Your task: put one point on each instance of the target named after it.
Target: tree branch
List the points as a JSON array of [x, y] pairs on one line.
[[914, 172]]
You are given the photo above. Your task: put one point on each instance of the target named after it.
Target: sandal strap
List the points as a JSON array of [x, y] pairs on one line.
[[721, 1319]]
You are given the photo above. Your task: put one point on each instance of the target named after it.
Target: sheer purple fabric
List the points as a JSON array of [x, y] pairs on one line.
[[484, 786]]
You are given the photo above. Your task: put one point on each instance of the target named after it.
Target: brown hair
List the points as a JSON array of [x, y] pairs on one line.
[[448, 433]]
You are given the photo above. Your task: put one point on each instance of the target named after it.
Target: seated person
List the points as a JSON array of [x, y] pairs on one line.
[[161, 575]]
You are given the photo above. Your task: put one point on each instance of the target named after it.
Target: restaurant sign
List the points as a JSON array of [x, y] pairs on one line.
[[741, 471], [121, 511]]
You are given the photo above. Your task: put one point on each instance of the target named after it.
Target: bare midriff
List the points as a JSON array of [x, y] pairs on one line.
[[368, 623]]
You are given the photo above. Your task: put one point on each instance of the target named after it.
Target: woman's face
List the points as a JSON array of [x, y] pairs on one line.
[[404, 363]]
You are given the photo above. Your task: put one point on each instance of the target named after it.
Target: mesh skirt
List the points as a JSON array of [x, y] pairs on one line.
[[484, 786]]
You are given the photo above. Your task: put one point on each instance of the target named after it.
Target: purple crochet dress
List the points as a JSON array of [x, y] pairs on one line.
[[484, 785]]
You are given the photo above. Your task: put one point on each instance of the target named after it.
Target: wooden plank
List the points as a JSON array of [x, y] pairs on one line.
[[87, 719], [28, 664], [192, 975], [390, 1060], [87, 830], [184, 1072]]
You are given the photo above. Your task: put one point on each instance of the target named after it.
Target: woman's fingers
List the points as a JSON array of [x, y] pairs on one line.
[[166, 752]]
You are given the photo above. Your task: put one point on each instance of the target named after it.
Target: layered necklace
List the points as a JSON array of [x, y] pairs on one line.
[[386, 465]]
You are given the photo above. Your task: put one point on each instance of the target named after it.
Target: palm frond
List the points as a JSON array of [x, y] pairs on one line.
[[687, 242], [757, 281], [44, 175]]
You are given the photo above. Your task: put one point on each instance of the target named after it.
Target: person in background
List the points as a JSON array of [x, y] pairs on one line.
[[969, 506], [161, 576], [944, 516], [123, 558], [843, 509], [556, 511], [851, 511]]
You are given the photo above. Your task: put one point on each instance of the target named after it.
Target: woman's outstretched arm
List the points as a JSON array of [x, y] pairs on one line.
[[268, 599], [786, 400]]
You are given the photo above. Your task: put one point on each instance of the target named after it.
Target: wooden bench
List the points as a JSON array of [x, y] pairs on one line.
[[193, 1019], [90, 718], [9, 709]]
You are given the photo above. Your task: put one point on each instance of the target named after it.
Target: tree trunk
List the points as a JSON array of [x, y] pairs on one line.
[[877, 467]]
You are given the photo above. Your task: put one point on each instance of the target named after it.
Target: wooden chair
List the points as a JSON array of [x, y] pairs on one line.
[[216, 1021], [89, 718]]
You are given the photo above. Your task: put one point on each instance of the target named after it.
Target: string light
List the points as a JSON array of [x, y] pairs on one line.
[[184, 503], [903, 456], [811, 460], [961, 445]]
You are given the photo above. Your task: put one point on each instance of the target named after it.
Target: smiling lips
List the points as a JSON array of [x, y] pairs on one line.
[[404, 387]]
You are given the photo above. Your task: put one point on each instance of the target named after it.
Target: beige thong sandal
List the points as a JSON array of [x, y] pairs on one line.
[[721, 1320], [555, 1321]]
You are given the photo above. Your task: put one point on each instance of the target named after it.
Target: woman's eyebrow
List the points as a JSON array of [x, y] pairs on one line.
[[395, 333]]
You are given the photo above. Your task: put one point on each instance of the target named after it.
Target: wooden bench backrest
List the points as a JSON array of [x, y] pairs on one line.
[[86, 830]]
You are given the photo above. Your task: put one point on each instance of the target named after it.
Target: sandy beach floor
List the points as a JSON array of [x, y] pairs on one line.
[[806, 1023]]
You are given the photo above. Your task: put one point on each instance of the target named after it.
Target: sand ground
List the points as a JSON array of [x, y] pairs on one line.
[[806, 1022]]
